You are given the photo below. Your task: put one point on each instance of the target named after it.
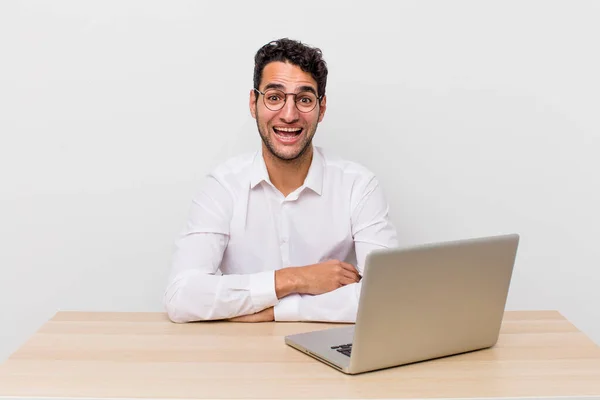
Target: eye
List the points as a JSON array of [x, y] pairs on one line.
[[304, 99]]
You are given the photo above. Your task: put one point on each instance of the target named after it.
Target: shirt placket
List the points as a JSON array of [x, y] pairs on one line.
[[284, 234]]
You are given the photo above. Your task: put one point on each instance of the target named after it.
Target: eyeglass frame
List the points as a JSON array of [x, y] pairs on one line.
[[319, 98]]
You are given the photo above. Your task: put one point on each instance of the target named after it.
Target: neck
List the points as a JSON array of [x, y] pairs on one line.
[[287, 176]]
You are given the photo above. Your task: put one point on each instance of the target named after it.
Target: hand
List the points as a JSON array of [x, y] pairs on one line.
[[326, 277], [265, 315]]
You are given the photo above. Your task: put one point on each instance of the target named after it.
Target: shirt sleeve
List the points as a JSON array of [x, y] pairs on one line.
[[195, 290], [371, 230]]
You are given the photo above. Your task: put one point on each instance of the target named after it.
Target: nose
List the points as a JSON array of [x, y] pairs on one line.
[[289, 112]]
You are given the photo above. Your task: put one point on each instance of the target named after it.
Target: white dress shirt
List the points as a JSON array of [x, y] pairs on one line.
[[241, 229]]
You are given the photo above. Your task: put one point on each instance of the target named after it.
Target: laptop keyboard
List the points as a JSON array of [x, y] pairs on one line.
[[345, 349]]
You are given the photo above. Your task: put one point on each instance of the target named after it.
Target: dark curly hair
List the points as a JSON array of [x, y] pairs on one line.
[[309, 59]]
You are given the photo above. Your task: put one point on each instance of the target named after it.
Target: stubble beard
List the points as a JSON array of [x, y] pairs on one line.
[[266, 138]]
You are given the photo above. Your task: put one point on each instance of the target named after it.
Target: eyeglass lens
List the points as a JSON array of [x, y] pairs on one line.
[[275, 99]]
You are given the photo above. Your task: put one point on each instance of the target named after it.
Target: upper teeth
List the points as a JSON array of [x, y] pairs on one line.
[[288, 129]]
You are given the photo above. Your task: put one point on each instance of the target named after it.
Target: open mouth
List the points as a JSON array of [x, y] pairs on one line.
[[287, 134]]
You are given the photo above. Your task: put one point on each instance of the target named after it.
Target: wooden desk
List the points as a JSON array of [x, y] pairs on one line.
[[133, 355]]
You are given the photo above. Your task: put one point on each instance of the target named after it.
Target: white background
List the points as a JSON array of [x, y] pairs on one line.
[[479, 118]]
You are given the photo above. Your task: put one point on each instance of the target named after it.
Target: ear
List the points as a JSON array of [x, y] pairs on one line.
[[253, 103], [322, 108]]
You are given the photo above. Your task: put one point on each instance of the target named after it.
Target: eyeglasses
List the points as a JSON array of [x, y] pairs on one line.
[[275, 99]]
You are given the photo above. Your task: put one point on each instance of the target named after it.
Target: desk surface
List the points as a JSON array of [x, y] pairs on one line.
[[133, 355]]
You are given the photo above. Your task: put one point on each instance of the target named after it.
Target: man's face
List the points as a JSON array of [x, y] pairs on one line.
[[287, 132]]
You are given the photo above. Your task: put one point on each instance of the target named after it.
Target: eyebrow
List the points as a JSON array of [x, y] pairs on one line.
[[279, 86], [308, 89], [274, 86]]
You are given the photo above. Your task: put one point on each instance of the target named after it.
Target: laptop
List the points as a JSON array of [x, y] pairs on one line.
[[421, 303]]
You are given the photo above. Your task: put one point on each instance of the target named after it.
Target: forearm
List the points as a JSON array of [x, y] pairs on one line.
[[193, 296], [288, 281]]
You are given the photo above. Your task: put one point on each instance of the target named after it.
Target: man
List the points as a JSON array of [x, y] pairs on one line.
[[280, 234]]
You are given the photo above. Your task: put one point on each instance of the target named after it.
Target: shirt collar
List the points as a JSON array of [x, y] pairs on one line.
[[259, 170], [314, 178]]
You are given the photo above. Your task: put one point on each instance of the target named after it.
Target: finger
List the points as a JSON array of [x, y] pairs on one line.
[[347, 281], [351, 275], [348, 266], [349, 269]]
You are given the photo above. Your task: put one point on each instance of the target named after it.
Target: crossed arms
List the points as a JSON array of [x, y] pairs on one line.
[[326, 291]]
